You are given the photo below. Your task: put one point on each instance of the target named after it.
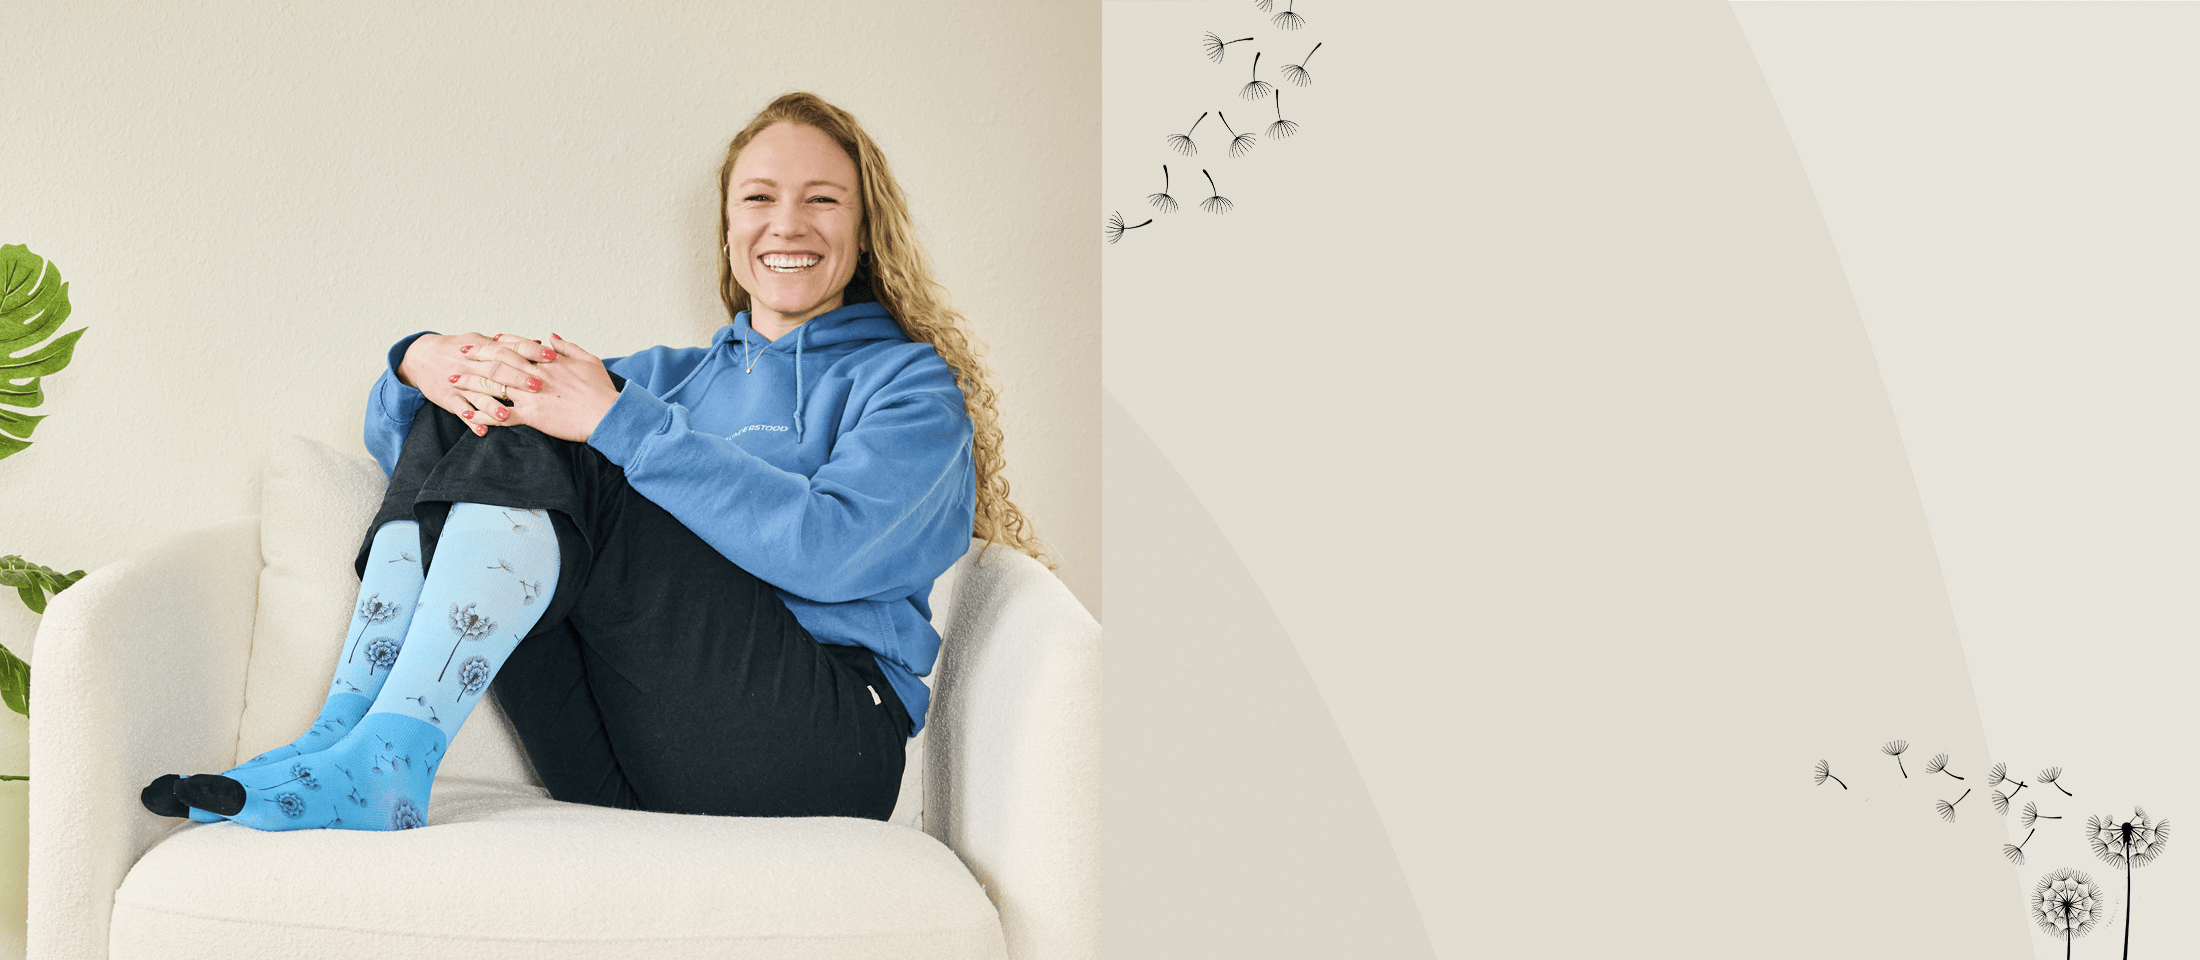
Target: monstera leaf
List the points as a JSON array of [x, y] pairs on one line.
[[33, 304], [33, 582]]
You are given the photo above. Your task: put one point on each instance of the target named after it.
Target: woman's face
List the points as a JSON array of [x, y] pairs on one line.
[[793, 225]]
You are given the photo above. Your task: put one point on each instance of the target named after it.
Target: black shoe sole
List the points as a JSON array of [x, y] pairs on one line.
[[212, 793], [160, 797]]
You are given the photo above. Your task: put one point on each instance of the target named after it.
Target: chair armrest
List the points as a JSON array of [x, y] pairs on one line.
[[141, 670], [1013, 778]]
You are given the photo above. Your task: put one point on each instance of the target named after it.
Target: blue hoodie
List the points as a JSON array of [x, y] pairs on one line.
[[833, 463]]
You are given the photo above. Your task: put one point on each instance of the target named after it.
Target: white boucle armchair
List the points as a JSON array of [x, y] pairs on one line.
[[218, 643]]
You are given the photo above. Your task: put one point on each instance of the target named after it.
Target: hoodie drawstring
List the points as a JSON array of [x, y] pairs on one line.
[[801, 333]]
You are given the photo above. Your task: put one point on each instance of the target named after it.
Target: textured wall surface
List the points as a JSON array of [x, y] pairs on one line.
[[250, 202]]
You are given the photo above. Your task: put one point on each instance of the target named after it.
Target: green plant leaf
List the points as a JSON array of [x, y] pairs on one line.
[[33, 300], [23, 395], [15, 682], [33, 581], [45, 360], [19, 425]]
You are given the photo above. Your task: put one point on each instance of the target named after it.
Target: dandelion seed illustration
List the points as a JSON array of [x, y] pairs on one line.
[[529, 590], [1288, 20], [518, 527], [1281, 128], [1258, 88], [405, 816], [2051, 776], [291, 804], [1217, 47], [1265, 5], [371, 612], [333, 824], [469, 626], [1115, 227], [348, 685], [1939, 764], [356, 798], [1997, 773], [1182, 142], [504, 565], [1894, 749], [1240, 143], [1947, 809], [2032, 814], [382, 653], [2067, 904], [405, 558], [2001, 801], [1823, 773], [1162, 201], [473, 675], [1217, 203], [2015, 851], [1296, 72], [2127, 846], [301, 775]]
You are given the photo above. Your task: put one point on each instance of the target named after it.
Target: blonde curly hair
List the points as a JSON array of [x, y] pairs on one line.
[[895, 271]]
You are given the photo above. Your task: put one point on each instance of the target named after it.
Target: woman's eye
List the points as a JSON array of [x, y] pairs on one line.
[[754, 198], [824, 199]]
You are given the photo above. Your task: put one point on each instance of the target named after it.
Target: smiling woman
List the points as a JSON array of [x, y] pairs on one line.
[[699, 576]]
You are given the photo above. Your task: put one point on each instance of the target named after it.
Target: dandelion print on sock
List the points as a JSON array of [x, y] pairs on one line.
[[1947, 809], [504, 565], [529, 591], [291, 804], [2127, 846], [473, 675], [372, 611], [405, 557], [1894, 748], [301, 775], [333, 824], [1823, 773], [469, 626], [405, 816], [2050, 776], [1939, 764], [2067, 904], [382, 653]]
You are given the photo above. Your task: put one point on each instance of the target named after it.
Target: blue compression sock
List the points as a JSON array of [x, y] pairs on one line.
[[388, 591], [494, 572]]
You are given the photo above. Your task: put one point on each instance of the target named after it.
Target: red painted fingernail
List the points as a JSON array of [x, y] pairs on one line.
[[549, 354], [468, 414], [534, 383], [481, 431], [465, 348], [454, 378], [501, 414]]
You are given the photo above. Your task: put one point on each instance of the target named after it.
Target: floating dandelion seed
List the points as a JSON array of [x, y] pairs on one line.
[[405, 816], [1115, 226], [504, 565], [1939, 764], [1947, 809], [1997, 773], [1296, 72], [406, 557], [2032, 815], [1182, 142], [2067, 904], [2001, 800], [2127, 846], [291, 804], [517, 527], [1822, 773], [1217, 203], [1257, 88], [473, 675], [1218, 47], [1281, 128], [1288, 20], [2015, 851], [529, 590], [382, 653], [2050, 775], [371, 612], [333, 824], [1894, 749], [1265, 5], [1240, 143], [1162, 201]]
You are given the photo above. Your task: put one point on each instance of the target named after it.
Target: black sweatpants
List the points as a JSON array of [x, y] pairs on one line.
[[662, 676]]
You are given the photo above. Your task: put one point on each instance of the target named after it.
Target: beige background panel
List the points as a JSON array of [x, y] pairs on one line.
[[250, 202], [2015, 217], [1526, 384]]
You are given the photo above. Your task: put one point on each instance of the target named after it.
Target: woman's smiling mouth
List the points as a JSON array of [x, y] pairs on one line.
[[789, 262]]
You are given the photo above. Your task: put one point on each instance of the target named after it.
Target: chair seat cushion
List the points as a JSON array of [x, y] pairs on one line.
[[503, 871]]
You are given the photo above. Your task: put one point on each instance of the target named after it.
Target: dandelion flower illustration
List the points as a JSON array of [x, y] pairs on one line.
[[1115, 226], [1162, 201], [1288, 20], [1894, 749], [1939, 764], [2015, 851], [1217, 47], [1216, 203], [1240, 143], [1296, 72], [291, 804], [301, 775], [1182, 142], [2032, 815], [2127, 846], [469, 626], [371, 612], [382, 653], [1948, 809], [1823, 773], [472, 676], [405, 816], [2050, 776], [2067, 904], [1257, 88]]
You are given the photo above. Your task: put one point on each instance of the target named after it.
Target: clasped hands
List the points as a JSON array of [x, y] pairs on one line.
[[555, 386]]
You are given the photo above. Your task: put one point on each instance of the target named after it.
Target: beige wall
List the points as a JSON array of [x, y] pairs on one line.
[[250, 202]]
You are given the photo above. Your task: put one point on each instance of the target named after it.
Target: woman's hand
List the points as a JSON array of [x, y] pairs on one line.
[[557, 388], [438, 365]]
